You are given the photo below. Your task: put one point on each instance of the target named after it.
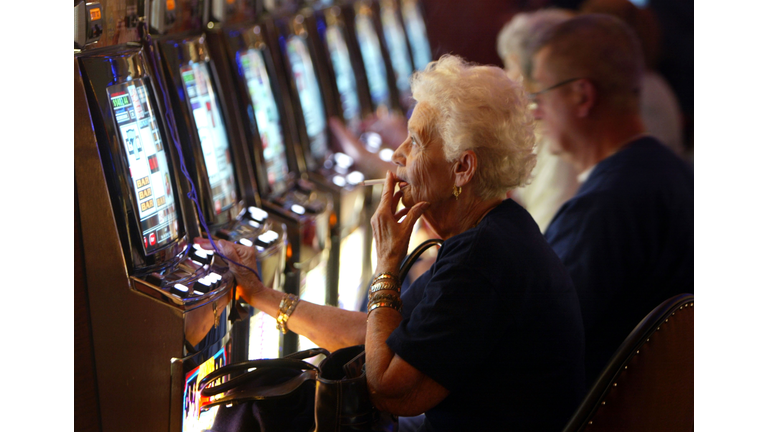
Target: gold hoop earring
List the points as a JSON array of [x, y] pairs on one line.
[[456, 192]]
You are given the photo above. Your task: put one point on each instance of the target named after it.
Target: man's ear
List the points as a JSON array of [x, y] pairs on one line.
[[464, 167], [586, 97]]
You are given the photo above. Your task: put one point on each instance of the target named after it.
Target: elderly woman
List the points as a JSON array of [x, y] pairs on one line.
[[490, 338]]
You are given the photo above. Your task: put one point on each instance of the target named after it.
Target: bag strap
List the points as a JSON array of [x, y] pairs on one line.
[[405, 267], [261, 366]]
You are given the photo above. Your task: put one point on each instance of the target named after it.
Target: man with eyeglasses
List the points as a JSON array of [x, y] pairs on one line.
[[626, 237]]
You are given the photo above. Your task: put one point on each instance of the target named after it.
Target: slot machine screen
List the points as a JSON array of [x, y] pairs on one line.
[[194, 419], [147, 163], [345, 75], [398, 49], [417, 34], [213, 136], [263, 337], [310, 97], [251, 62], [373, 60]]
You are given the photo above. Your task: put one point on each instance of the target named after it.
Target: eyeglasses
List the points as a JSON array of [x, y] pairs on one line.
[[532, 96]]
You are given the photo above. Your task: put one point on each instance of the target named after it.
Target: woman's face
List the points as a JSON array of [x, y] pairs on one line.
[[423, 172]]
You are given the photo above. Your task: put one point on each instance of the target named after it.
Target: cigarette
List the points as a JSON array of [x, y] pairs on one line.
[[373, 182]]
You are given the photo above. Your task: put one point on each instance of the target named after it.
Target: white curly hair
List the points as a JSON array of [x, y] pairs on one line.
[[479, 108]]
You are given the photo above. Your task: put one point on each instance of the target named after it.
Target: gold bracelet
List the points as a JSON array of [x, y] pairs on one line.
[[385, 275], [287, 306], [384, 297], [384, 285], [388, 304]]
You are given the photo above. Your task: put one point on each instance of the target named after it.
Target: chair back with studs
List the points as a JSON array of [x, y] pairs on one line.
[[648, 383]]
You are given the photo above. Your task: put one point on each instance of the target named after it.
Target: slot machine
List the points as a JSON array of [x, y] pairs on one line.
[[292, 38], [333, 39], [371, 55], [158, 313], [416, 31], [230, 204], [260, 116], [397, 47]]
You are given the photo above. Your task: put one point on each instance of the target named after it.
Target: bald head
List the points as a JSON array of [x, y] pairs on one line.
[[598, 47]]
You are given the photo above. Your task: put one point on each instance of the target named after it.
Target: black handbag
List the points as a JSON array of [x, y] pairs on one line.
[[290, 394], [342, 401], [264, 395]]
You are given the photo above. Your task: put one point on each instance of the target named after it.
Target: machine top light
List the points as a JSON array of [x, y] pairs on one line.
[[386, 155], [355, 177], [257, 213], [339, 181], [343, 160], [268, 236]]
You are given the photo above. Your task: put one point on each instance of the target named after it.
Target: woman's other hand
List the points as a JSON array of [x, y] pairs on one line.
[[248, 285]]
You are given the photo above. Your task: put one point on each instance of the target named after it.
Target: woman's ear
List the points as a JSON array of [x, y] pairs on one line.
[[464, 167]]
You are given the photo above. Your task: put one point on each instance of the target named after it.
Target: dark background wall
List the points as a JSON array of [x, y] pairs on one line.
[[469, 27]]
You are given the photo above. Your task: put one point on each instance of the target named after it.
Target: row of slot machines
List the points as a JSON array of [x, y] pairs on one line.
[[198, 119]]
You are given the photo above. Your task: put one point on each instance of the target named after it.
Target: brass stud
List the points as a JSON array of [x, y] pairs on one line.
[[666, 320], [590, 422], [658, 328], [603, 402], [638, 351], [615, 384], [648, 340]]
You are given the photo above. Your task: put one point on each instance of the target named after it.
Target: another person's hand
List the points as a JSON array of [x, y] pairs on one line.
[[391, 235], [369, 163], [249, 286], [392, 128], [349, 144]]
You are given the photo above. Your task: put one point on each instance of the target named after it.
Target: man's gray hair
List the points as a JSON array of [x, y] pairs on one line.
[[479, 108], [599, 47], [522, 32]]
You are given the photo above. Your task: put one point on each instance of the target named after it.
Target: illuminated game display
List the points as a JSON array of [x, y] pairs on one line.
[[194, 419], [147, 163], [310, 97], [213, 138], [398, 49], [351, 272], [417, 34], [345, 76], [373, 60], [251, 62]]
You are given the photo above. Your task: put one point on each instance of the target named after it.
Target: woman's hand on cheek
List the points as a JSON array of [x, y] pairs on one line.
[[390, 233]]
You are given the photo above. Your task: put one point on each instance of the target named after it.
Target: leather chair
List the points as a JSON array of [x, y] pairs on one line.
[[648, 384]]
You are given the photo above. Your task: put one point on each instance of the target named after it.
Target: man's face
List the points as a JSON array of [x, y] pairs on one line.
[[423, 172], [552, 106]]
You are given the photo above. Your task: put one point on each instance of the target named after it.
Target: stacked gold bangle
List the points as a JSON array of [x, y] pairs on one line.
[[376, 298], [287, 306]]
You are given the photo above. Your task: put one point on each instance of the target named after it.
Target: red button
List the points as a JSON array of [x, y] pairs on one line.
[[152, 239]]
